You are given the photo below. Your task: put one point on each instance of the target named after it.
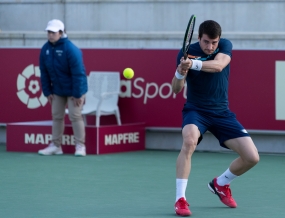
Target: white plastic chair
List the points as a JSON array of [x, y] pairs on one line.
[[102, 96]]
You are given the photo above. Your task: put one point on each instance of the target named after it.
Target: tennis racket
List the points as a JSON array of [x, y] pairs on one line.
[[188, 35]]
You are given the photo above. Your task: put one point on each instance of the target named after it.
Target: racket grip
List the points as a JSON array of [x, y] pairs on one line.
[[185, 56]]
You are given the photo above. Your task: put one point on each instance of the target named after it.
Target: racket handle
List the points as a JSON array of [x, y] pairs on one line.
[[185, 56]]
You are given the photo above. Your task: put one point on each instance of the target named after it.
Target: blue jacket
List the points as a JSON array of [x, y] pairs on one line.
[[62, 69]]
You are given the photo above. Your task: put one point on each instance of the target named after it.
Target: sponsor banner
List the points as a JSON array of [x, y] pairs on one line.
[[280, 90], [121, 138], [33, 136], [255, 87]]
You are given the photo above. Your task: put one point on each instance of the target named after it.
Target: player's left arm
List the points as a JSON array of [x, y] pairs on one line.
[[217, 65], [213, 66], [221, 60]]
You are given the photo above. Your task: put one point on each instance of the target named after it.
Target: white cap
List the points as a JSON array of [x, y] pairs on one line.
[[55, 26]]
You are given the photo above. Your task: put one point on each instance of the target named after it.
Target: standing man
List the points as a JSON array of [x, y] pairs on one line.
[[206, 71], [64, 82]]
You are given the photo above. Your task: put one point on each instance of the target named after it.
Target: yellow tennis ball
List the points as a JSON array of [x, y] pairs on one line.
[[128, 73]]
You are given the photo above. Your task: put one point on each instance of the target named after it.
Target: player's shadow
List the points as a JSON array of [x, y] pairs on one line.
[[196, 210]]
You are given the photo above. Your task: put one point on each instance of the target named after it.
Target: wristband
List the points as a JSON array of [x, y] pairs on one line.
[[178, 75], [196, 65]]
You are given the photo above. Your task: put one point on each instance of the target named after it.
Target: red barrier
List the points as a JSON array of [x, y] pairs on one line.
[[147, 97], [33, 136]]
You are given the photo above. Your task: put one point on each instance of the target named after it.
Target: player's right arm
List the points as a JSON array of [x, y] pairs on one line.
[[180, 74]]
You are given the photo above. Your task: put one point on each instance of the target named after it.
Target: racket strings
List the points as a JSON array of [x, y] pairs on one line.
[[189, 35]]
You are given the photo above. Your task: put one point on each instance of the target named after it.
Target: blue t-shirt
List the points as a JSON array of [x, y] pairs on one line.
[[207, 91]]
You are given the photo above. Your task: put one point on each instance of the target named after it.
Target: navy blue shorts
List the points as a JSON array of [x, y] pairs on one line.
[[223, 125]]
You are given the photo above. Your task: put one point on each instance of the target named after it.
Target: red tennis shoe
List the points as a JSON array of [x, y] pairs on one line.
[[181, 207], [224, 193]]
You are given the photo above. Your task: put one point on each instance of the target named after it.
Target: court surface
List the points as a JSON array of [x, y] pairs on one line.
[[133, 184]]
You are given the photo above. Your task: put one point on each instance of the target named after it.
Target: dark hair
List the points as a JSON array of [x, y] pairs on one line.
[[61, 32], [210, 28]]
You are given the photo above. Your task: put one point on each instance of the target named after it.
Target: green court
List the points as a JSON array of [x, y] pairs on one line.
[[133, 184]]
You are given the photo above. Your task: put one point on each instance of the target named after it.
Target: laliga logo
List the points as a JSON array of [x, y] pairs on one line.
[[29, 88]]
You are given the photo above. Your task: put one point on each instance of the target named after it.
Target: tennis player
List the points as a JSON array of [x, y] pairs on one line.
[[206, 71]]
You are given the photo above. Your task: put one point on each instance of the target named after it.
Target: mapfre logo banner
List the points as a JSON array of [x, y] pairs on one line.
[[33, 136], [255, 86]]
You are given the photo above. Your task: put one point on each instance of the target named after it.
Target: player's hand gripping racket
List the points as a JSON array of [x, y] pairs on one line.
[[188, 35]]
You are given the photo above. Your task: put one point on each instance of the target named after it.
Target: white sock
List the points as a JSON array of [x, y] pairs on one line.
[[226, 178], [181, 185]]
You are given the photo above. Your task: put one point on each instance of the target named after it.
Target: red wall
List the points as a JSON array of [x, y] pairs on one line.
[[251, 92]]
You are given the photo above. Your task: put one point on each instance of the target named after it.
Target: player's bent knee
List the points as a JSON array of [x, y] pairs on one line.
[[253, 160], [189, 146]]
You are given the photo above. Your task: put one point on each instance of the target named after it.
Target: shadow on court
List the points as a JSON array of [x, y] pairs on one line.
[[133, 184]]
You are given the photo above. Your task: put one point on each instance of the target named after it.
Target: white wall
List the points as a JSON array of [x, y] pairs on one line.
[[249, 24]]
